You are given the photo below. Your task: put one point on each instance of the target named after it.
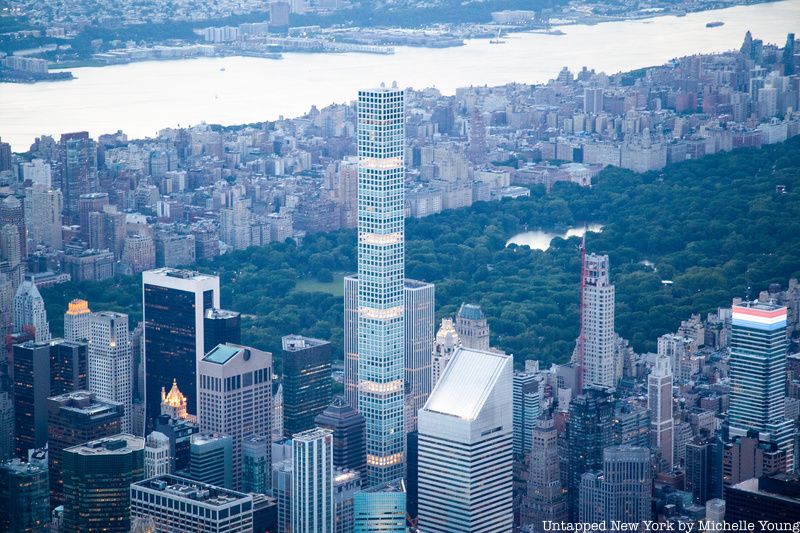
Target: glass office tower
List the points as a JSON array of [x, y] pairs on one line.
[[380, 279]]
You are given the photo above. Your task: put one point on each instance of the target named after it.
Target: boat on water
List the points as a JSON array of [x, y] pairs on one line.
[[497, 40], [222, 69], [714, 24]]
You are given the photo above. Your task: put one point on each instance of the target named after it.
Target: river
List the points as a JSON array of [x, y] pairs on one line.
[[141, 98]]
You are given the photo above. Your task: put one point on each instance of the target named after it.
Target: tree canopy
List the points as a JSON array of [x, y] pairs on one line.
[[712, 226]]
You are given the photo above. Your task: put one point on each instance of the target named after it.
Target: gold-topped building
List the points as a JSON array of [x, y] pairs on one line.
[[76, 321], [173, 403]]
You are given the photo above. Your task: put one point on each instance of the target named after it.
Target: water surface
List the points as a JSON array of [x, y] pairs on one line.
[[141, 98]]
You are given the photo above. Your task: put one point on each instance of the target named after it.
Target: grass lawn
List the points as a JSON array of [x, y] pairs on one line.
[[335, 287]]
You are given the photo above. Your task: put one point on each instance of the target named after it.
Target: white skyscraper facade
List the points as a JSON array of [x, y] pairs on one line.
[[29, 311], [599, 367], [312, 484], [381, 327], [659, 402], [444, 347], [110, 361], [465, 447], [236, 396], [156, 455]]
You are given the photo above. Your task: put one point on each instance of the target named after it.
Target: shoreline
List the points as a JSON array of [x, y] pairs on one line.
[[554, 29]]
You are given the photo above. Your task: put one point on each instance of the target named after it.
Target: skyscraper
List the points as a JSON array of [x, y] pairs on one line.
[[282, 491], [221, 326], [527, 407], [380, 509], [545, 500], [472, 327], [76, 321], [345, 485], [211, 459], [419, 317], [381, 256], [659, 402], [348, 435], [351, 342], [312, 482], [174, 403], [24, 497], [12, 215], [74, 418], [596, 339], [703, 468], [621, 492], [31, 390], [156, 455], [758, 375], [443, 348], [306, 381], [236, 396], [178, 504], [6, 414], [69, 366], [89, 203], [175, 302], [256, 464], [179, 432], [773, 499], [110, 363], [788, 56], [29, 311], [589, 431], [77, 159], [43, 207], [593, 100], [97, 483], [465, 447]]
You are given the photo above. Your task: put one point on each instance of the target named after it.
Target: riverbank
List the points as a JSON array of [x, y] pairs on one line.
[[142, 98], [325, 40]]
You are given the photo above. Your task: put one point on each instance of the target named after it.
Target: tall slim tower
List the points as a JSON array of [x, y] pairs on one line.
[[351, 342], [758, 375], [381, 249], [110, 362], [659, 402], [312, 486], [419, 317], [597, 319], [527, 408]]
